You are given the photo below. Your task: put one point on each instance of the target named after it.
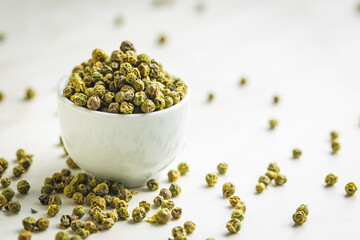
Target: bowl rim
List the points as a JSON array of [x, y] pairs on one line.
[[64, 80]]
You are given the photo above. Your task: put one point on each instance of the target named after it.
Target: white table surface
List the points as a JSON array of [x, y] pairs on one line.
[[305, 51]]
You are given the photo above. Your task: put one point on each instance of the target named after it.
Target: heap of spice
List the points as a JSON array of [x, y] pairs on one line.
[[124, 82]]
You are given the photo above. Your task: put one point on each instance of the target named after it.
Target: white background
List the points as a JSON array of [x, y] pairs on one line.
[[305, 51]]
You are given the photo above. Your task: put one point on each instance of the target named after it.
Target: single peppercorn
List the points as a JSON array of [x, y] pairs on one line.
[[173, 175], [350, 188], [243, 81], [233, 200], [8, 193], [62, 235], [179, 233], [30, 93], [304, 208], [183, 168], [47, 189], [273, 123], [163, 216], [29, 223], [42, 223], [158, 200], [23, 187], [299, 217], [280, 179], [44, 199], [265, 180], [138, 214], [211, 179], [296, 153], [91, 227], [165, 193], [2, 201], [330, 179], [222, 168], [273, 167], [78, 198], [76, 224], [13, 206], [176, 212], [53, 210], [334, 135], [123, 213], [152, 185], [55, 200], [240, 206], [189, 227], [18, 171], [175, 189], [113, 215], [125, 194], [79, 211], [271, 175], [65, 220], [108, 223], [238, 214], [233, 225], [260, 187], [228, 189], [168, 204], [25, 235], [335, 145]]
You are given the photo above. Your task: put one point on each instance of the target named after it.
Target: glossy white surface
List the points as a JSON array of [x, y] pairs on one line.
[[305, 51], [127, 148]]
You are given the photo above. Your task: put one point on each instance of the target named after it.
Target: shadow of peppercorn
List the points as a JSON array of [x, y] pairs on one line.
[[294, 225]]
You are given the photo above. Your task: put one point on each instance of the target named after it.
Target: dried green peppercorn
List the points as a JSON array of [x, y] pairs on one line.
[[113, 215], [13, 206], [189, 227], [76, 224], [78, 198], [163, 216], [273, 167], [183, 168], [42, 223], [241, 206], [304, 208], [260, 187], [30, 93], [176, 212], [233, 225], [265, 180], [138, 214], [276, 99], [44, 199], [271, 175], [334, 135], [210, 97], [98, 202], [280, 179], [79, 211], [53, 210], [29, 223], [211, 179], [65, 220], [178, 233], [8, 193], [331, 179], [168, 204], [152, 185], [4, 163], [158, 200], [145, 205], [2, 201], [335, 145], [243, 81], [228, 189], [125, 194], [55, 200], [296, 153], [101, 190], [18, 171], [238, 214], [23, 187], [108, 223], [165, 193], [118, 203], [350, 188], [83, 233], [123, 213], [91, 227], [299, 217], [273, 123], [222, 168], [233, 200], [175, 189], [69, 191], [168, 101], [25, 235]]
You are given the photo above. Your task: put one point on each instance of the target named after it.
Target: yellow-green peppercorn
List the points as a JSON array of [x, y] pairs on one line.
[[304, 208], [29, 223], [299, 217], [175, 189], [76, 224], [148, 106], [138, 214], [108, 223], [276, 99], [118, 203], [280, 179], [211, 179], [42, 223], [125, 194], [165, 193], [69, 190], [162, 39], [173, 175], [13, 206], [178, 233], [334, 135], [91, 227], [243, 81], [296, 153], [210, 97], [101, 189], [145, 205], [79, 99], [23, 187], [189, 227], [260, 187], [241, 206], [222, 168], [18, 171], [2, 201], [331, 179], [98, 202], [168, 101], [158, 200], [83, 233], [44, 199], [163, 216], [113, 214], [78, 198], [30, 93], [4, 163], [350, 188], [25, 235], [176, 212], [123, 213], [168, 204], [335, 146], [79, 211], [273, 167], [265, 180], [94, 102], [55, 200], [183, 168], [233, 225], [238, 214], [20, 153], [8, 193], [152, 185], [273, 123], [233, 200], [53, 210], [65, 220], [271, 175], [228, 189]]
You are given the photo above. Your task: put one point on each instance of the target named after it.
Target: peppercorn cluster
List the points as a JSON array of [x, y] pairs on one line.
[[123, 83]]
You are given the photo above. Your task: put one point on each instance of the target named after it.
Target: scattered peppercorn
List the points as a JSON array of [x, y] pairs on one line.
[[163, 216], [8, 193], [62, 235], [165, 193], [30, 93], [179, 233], [79, 211], [183, 168], [5, 182], [299, 217], [335, 145], [260, 187], [189, 227], [25, 235], [23, 187], [158, 200], [176, 212], [233, 225], [13, 206], [211, 179], [173, 175], [53, 210], [29, 223], [42, 223], [273, 123], [265, 180], [175, 189], [138, 214], [280, 179], [350, 188], [228, 189], [152, 185], [296, 153], [241, 206]]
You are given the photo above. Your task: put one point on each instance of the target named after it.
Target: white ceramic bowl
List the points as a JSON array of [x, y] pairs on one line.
[[127, 148]]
